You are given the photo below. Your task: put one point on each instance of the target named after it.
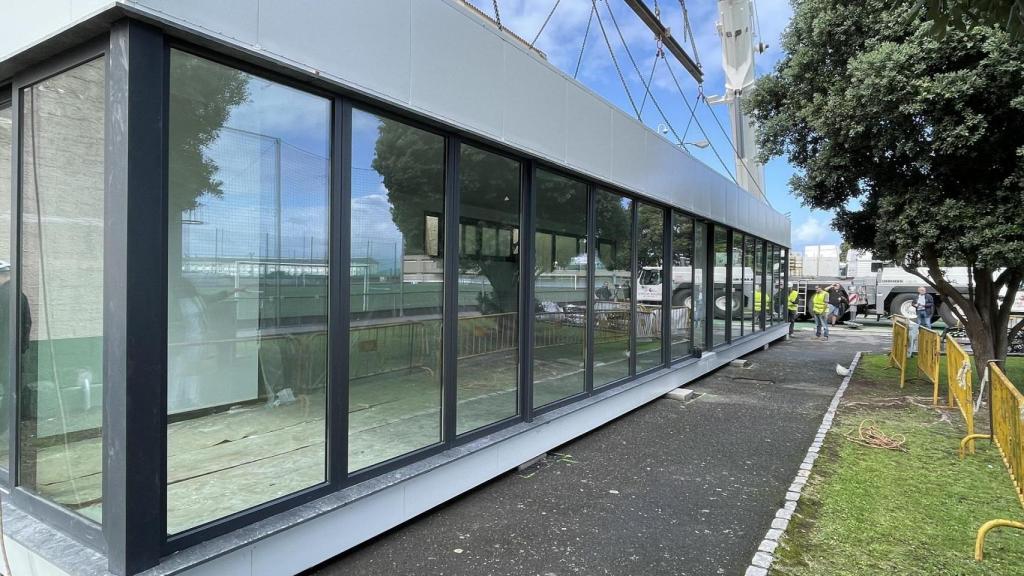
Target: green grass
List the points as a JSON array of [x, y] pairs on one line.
[[869, 511]]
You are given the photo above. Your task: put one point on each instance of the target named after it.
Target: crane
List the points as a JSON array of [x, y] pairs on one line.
[[736, 29]]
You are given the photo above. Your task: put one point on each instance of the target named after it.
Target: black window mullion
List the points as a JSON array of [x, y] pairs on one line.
[[634, 258], [666, 286], [728, 285], [134, 277], [339, 302], [527, 264], [450, 312], [13, 300], [591, 279]]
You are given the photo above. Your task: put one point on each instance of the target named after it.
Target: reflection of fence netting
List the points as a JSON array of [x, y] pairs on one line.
[[273, 202]]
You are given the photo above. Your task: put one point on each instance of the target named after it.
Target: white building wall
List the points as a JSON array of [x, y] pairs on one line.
[[439, 59]]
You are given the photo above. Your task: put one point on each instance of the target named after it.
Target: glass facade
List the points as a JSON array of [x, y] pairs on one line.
[[748, 285], [700, 285], [559, 288], [613, 272], [286, 380], [6, 148], [396, 279], [651, 274], [488, 329], [722, 297], [682, 287], [247, 293], [61, 304], [738, 293], [759, 319]]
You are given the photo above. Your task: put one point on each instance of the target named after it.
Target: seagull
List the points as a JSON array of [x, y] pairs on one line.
[[842, 371]]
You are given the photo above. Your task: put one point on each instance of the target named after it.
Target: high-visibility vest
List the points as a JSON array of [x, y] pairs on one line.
[[820, 302], [793, 297], [758, 304]]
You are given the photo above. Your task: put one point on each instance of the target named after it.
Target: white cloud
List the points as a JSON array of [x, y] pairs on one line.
[[811, 231]]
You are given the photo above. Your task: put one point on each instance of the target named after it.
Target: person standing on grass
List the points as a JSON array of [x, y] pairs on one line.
[[925, 306], [791, 307], [819, 305]]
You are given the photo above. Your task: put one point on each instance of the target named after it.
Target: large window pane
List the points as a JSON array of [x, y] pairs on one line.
[[737, 294], [488, 346], [682, 285], [700, 285], [769, 283], [613, 278], [722, 298], [748, 284], [650, 296], [61, 386], [5, 275], [249, 181], [777, 298], [758, 284], [560, 288], [397, 281]]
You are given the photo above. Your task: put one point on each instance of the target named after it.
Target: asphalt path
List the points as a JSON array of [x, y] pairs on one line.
[[680, 488]]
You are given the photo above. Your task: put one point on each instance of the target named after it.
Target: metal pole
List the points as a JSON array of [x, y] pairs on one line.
[[277, 200]]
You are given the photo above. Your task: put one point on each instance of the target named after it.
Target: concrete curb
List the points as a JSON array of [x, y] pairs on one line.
[[765, 555]]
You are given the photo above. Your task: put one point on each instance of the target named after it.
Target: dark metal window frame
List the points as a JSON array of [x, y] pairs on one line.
[[675, 213], [135, 419], [80, 528], [7, 102]]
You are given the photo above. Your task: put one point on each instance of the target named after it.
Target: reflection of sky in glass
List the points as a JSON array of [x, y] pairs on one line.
[[273, 149], [374, 234]]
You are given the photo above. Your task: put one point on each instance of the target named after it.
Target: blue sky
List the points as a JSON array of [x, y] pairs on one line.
[[561, 41]]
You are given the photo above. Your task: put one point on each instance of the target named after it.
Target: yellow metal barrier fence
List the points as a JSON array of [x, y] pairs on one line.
[[960, 389], [928, 354], [1007, 425], [898, 354]]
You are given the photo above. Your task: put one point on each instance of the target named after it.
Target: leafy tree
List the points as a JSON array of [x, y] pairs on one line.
[[201, 103], [961, 14], [914, 140], [411, 163]]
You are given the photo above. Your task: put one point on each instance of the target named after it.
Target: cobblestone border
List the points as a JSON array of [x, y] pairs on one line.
[[765, 554]]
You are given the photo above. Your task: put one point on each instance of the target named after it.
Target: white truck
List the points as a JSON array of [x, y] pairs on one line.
[[878, 288], [648, 289]]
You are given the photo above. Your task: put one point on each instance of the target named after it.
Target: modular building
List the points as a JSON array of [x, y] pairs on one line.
[[279, 276]]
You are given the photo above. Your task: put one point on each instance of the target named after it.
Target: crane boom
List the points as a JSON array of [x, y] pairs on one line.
[[735, 27]]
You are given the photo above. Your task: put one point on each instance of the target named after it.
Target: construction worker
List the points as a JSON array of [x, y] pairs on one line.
[[819, 305], [759, 305], [791, 307]]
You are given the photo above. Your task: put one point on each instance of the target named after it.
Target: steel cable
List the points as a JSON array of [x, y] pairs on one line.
[[583, 46], [615, 61], [545, 24]]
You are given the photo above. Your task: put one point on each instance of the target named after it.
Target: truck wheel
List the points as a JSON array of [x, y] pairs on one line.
[[946, 313], [726, 303], [903, 305], [683, 298]]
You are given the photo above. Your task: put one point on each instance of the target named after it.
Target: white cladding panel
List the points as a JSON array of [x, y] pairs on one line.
[[348, 42], [588, 120], [457, 67], [437, 58], [629, 152], [236, 19], [534, 105], [26, 22]]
